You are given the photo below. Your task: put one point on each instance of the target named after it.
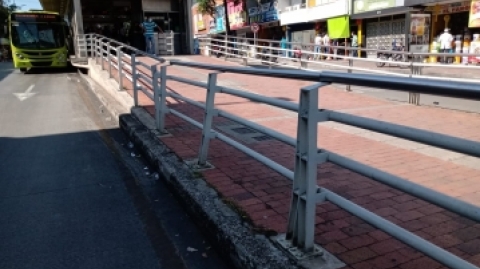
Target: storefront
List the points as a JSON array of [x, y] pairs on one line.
[[265, 14], [460, 17], [381, 22], [304, 22]]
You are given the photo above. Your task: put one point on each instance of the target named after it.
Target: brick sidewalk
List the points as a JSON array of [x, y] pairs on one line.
[[265, 195]]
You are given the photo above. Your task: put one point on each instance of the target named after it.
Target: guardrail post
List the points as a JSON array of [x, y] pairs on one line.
[[350, 64], [301, 223], [109, 58], [414, 98], [160, 96], [101, 54], [208, 119], [245, 51], [120, 67], [270, 55], [225, 46], [134, 80], [95, 55]]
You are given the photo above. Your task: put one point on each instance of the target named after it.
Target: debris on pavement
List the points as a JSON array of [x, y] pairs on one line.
[[190, 249]]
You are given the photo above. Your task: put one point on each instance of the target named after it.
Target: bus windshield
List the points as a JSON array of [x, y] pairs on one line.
[[37, 35]]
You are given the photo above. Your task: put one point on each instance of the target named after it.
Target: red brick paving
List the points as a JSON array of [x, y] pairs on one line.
[[265, 195]]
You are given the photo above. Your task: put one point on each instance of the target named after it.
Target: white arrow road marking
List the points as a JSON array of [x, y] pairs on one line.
[[27, 94]]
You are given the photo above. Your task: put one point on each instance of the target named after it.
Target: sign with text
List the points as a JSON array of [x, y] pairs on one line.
[[419, 38], [360, 6], [474, 19], [218, 23], [264, 12], [237, 16], [449, 8], [35, 17]]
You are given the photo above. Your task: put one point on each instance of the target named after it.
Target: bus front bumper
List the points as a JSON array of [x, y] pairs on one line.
[[24, 60]]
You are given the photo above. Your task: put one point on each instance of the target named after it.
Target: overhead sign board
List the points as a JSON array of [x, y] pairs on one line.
[[35, 17]]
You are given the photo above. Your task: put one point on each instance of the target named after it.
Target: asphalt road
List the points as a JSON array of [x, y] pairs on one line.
[[71, 194]]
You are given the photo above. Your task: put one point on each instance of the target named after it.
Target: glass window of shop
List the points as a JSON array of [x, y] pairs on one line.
[[453, 16], [168, 21]]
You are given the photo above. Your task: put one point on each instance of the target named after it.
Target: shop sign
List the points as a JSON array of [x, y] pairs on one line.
[[449, 8], [237, 17], [266, 12], [200, 23], [474, 18], [316, 3], [218, 24], [420, 32], [360, 6]]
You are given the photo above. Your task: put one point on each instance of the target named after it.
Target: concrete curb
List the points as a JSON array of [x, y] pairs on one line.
[[109, 102], [228, 232], [233, 237]]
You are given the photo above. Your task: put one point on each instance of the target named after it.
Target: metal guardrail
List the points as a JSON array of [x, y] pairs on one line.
[[248, 49], [306, 194]]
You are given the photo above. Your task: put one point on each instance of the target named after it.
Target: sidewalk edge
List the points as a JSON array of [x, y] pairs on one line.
[[233, 237]]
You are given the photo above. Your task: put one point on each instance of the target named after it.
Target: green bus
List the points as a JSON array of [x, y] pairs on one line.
[[37, 39]]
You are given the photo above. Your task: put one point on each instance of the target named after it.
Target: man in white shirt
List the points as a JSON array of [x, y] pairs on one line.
[[318, 44], [445, 40], [326, 42]]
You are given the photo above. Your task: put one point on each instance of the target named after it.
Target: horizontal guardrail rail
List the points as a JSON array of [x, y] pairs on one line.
[[306, 194], [303, 55]]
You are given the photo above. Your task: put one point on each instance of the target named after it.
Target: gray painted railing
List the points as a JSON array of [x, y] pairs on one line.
[[306, 194]]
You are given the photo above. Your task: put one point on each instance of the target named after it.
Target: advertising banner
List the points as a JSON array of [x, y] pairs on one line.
[[339, 27], [218, 24], [474, 20], [264, 12], [360, 6], [237, 16], [420, 32]]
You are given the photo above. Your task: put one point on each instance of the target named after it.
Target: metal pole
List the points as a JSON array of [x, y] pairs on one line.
[[270, 55], [212, 88], [101, 54], [120, 67], [226, 46], [162, 111], [350, 64], [301, 222], [96, 50], [134, 80], [109, 58], [156, 94]]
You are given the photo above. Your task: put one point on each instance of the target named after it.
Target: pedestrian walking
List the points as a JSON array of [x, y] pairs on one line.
[[149, 27]]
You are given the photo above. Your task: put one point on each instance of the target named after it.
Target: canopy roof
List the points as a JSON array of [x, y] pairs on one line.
[[59, 6]]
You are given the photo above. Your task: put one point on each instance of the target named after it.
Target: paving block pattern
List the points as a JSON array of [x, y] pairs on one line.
[[264, 195]]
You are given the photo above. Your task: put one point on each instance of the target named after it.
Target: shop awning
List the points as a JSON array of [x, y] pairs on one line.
[[410, 3], [59, 6], [383, 12]]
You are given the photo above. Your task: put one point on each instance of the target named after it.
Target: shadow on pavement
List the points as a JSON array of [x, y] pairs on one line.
[[40, 71], [81, 200], [6, 68]]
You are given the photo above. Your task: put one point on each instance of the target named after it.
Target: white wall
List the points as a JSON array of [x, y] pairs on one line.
[[331, 9]]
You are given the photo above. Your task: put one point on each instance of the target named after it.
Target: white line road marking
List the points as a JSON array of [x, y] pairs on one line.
[[27, 94]]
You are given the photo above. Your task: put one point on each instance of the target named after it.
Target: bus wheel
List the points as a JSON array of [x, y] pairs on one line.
[[23, 70]]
